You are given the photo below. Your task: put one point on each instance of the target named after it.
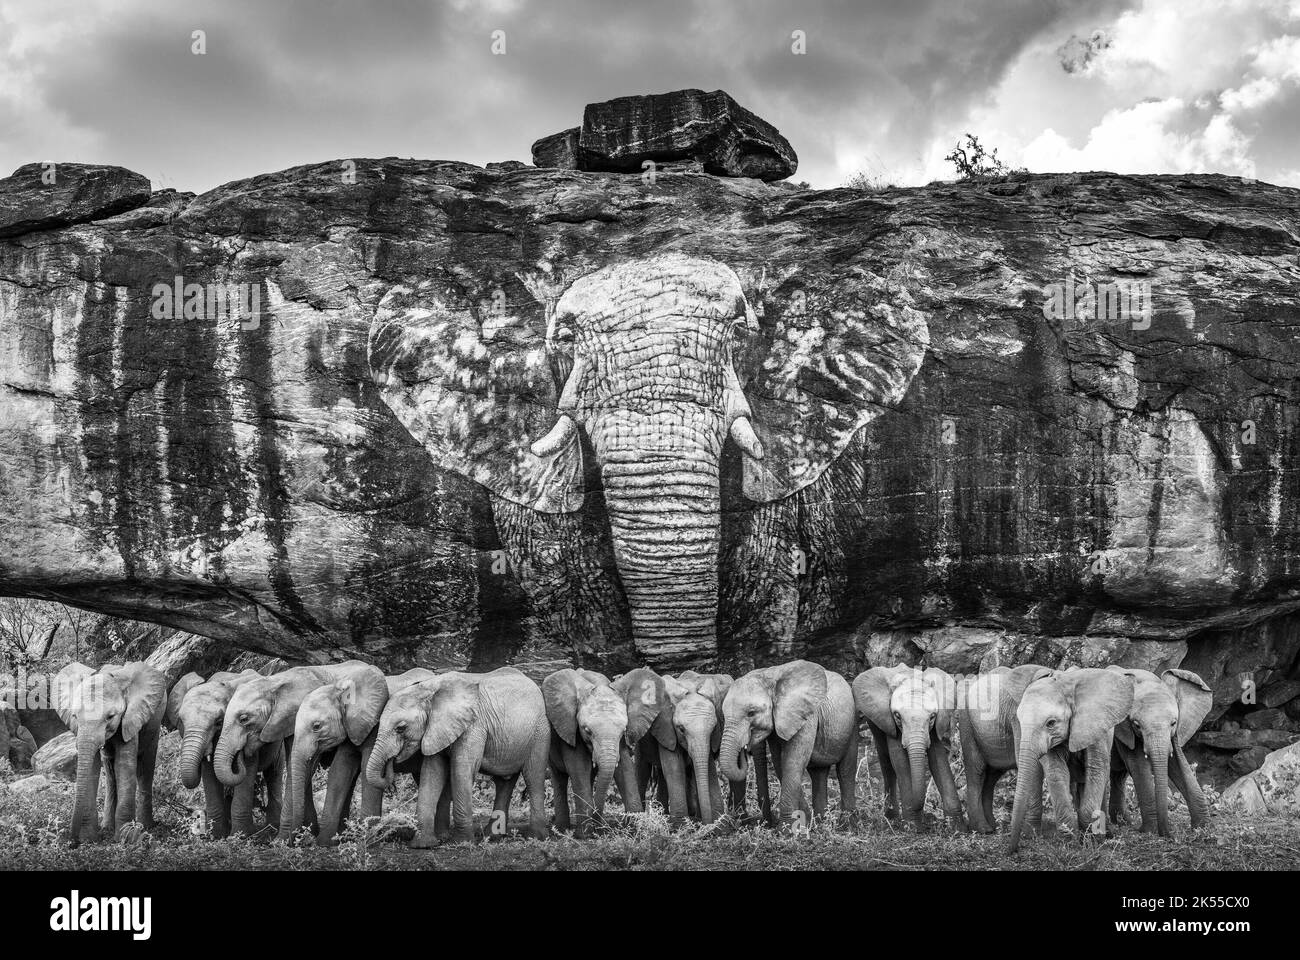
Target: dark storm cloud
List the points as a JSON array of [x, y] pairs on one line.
[[292, 81]]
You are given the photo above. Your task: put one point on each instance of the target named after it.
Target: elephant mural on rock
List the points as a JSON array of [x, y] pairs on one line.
[[804, 715], [463, 724], [910, 713], [196, 708], [262, 712], [116, 715], [595, 724], [336, 726], [1065, 725], [641, 366], [1166, 711]]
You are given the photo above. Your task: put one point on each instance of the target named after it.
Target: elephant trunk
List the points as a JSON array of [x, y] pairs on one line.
[[1028, 781], [84, 812], [698, 747], [228, 758], [734, 764], [1157, 752], [192, 749], [660, 473], [606, 758], [917, 760], [379, 768]]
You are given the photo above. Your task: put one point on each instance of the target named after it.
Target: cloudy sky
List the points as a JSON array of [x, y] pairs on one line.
[[885, 88]]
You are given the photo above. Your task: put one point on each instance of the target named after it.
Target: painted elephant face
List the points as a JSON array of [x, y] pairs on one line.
[[646, 352]]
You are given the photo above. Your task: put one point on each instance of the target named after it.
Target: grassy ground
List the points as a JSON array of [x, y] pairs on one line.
[[33, 837]]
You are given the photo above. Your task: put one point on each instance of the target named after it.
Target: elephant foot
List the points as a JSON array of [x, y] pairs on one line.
[[423, 841]]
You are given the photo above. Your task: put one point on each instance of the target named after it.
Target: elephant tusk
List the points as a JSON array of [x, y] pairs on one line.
[[743, 433], [560, 436]]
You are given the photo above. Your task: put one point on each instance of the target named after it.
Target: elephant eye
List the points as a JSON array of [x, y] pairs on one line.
[[400, 726], [244, 718], [316, 725]]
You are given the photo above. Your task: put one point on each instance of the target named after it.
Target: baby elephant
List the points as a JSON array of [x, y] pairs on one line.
[[910, 714], [804, 715], [1166, 711], [469, 722]]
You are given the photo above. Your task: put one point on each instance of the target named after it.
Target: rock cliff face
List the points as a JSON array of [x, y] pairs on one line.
[[417, 410]]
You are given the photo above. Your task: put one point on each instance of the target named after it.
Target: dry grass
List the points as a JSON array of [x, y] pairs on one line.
[[33, 828]]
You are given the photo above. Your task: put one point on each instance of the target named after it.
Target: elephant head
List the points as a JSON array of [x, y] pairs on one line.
[[261, 711], [779, 699], [428, 716], [1063, 712], [196, 707], [696, 702], [913, 706], [115, 701], [1166, 711], [347, 709], [584, 704], [644, 365]]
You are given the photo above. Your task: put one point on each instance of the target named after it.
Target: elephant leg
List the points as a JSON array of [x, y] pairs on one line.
[[846, 771], [1116, 808], [535, 784], [108, 757], [1144, 785], [887, 773], [715, 788], [794, 757], [274, 774], [339, 786], [145, 766], [820, 777], [372, 798], [941, 771], [644, 778], [630, 790], [216, 805], [127, 762], [433, 779], [977, 775], [578, 761], [499, 828], [466, 757], [560, 790], [1184, 778], [243, 799], [442, 811], [902, 784], [673, 769], [1035, 812], [1092, 818]]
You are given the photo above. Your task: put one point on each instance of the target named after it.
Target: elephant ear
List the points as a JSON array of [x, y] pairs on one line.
[[799, 691], [287, 691], [475, 395], [64, 695], [843, 356], [452, 710], [1101, 699], [872, 690], [945, 689], [560, 693], [362, 696], [146, 694], [1195, 698], [643, 691], [172, 716], [675, 690], [1011, 686]]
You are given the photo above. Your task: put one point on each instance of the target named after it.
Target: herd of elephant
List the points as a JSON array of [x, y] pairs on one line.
[[1083, 731]]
